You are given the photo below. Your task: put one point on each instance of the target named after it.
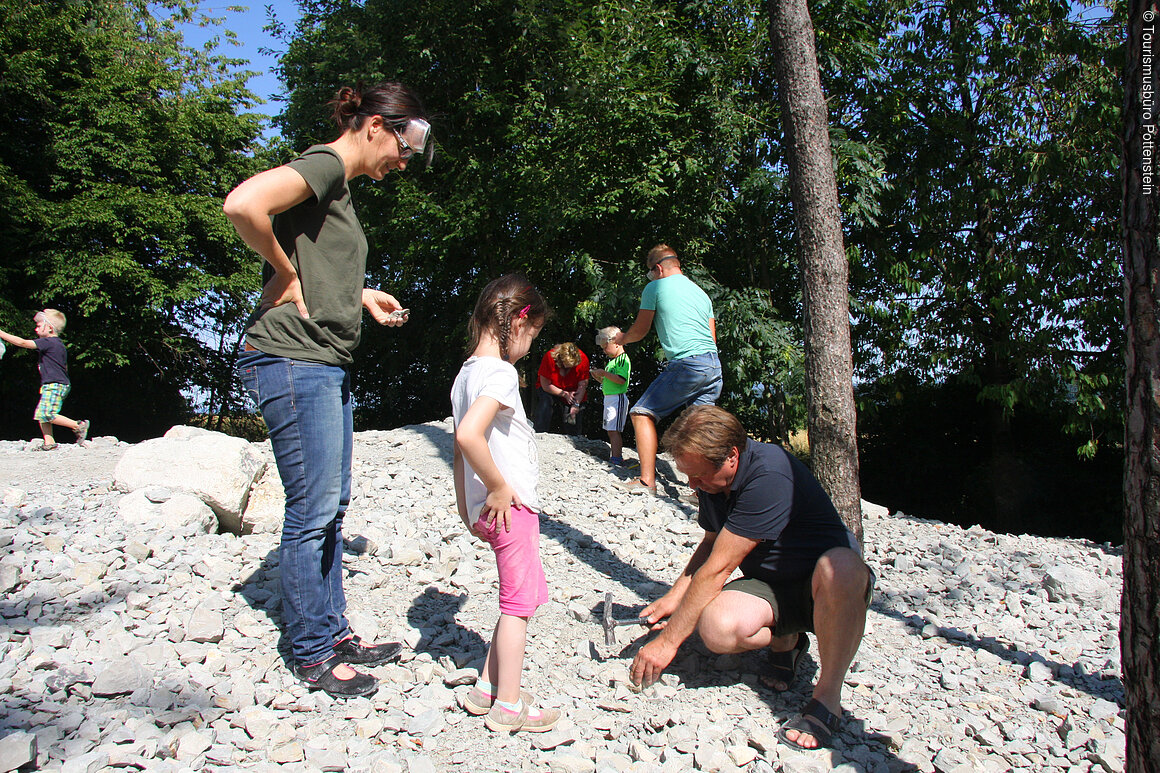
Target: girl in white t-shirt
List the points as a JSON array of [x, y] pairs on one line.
[[495, 489]]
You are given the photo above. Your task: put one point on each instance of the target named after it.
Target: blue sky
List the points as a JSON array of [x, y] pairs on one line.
[[248, 26]]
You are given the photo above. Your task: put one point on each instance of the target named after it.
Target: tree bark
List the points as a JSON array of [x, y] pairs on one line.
[[1139, 621], [825, 273]]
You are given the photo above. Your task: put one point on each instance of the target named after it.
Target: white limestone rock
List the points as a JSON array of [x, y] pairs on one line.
[[121, 677], [9, 577], [181, 512], [1070, 583], [17, 749], [216, 468], [266, 506], [205, 625]]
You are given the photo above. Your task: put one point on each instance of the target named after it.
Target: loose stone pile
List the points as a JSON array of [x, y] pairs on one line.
[[125, 647]]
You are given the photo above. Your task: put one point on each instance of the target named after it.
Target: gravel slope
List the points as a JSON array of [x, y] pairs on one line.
[[969, 663]]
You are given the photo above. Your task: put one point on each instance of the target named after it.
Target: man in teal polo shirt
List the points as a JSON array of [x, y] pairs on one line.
[[688, 334]]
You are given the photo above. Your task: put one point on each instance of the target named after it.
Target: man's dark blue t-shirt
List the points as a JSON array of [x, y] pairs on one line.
[[52, 358], [776, 499]]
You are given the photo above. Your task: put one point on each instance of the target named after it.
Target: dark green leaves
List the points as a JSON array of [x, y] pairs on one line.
[[120, 144]]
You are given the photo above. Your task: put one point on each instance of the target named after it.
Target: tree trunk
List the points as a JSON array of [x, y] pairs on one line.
[[1141, 600], [1005, 479], [825, 286]]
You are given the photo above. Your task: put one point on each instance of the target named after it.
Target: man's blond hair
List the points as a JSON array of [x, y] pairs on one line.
[[606, 334], [659, 253], [56, 319]]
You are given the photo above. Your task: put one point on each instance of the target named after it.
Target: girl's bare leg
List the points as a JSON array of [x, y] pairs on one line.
[[505, 657]]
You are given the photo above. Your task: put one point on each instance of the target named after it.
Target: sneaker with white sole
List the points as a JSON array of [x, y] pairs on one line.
[[529, 718], [478, 702]]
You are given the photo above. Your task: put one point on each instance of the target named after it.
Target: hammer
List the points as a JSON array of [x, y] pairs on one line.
[[610, 623]]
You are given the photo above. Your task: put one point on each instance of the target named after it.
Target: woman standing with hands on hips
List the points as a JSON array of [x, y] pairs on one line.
[[300, 218]]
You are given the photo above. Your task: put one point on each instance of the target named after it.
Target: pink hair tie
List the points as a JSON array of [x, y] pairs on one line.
[[524, 311]]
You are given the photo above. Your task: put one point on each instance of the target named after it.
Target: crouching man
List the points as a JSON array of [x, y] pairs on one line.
[[762, 511]]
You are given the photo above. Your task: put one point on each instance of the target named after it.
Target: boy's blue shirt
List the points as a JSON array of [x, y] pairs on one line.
[[52, 360]]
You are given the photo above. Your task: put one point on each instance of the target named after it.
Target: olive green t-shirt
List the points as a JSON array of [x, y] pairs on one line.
[[328, 248]]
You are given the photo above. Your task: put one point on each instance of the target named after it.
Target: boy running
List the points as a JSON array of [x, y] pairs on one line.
[[52, 360]]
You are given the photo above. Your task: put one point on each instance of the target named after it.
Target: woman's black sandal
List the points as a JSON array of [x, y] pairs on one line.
[[321, 677], [354, 653], [783, 666], [823, 730]]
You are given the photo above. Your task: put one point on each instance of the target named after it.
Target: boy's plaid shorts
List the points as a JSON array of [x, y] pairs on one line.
[[51, 399]]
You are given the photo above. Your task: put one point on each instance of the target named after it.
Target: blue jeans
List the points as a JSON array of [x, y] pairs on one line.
[[694, 380], [306, 406]]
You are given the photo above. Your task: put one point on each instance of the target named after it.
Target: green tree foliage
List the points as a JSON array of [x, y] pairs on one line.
[[573, 137], [995, 261], [119, 144]]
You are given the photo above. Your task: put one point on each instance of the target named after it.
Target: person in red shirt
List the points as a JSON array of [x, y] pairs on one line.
[[563, 388]]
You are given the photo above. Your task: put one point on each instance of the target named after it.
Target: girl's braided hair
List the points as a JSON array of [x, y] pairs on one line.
[[501, 301]]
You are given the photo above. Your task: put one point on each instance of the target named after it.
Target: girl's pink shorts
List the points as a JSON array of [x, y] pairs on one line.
[[522, 585]]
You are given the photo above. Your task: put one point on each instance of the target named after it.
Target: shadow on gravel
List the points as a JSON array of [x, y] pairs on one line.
[[667, 477], [442, 441], [440, 438], [1070, 674], [261, 591], [62, 735], [594, 553], [53, 611], [699, 668], [432, 614]]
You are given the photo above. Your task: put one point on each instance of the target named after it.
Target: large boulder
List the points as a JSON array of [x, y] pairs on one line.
[[216, 468], [266, 508], [179, 512]]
